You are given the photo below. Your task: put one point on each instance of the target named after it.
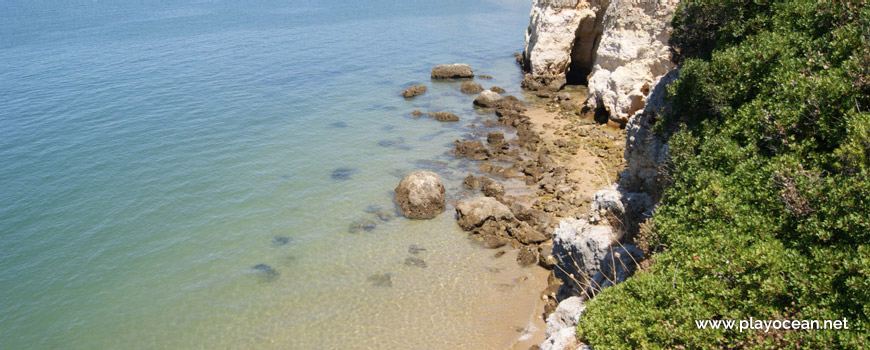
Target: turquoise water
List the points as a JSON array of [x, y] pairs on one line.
[[152, 153]]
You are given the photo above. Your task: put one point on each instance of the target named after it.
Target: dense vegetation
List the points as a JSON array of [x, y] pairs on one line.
[[767, 213]]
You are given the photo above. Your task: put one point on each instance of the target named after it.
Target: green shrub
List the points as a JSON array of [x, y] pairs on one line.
[[768, 214]]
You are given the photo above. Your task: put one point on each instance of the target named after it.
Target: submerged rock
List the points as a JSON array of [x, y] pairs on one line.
[[281, 240], [414, 90], [339, 124], [527, 256], [452, 71], [470, 87], [497, 90], [420, 195], [343, 173], [415, 249], [412, 261], [381, 280], [266, 272], [362, 225]]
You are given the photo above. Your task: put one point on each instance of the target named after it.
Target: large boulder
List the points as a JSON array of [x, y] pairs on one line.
[[583, 250], [487, 98], [420, 195], [452, 71], [414, 90]]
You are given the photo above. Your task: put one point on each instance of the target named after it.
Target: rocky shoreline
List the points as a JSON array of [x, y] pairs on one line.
[[592, 167], [550, 145]]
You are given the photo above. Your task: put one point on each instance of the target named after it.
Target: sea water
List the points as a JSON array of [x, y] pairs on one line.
[[182, 175]]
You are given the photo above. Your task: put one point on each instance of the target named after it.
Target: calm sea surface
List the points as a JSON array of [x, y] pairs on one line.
[[153, 153]]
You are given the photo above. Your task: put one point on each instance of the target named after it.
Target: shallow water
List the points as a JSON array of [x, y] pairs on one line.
[[186, 175]]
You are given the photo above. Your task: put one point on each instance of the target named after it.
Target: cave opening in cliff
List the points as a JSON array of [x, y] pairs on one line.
[[577, 75]]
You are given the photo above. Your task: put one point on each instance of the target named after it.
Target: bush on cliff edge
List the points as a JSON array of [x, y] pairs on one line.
[[768, 211]]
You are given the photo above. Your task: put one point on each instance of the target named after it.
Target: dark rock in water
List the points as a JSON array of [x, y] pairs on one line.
[[372, 208], [281, 240], [343, 173], [491, 188], [470, 182], [495, 139], [415, 249], [412, 261], [362, 225], [381, 108], [474, 150], [397, 144], [499, 254], [470, 87], [444, 116], [266, 272], [384, 215], [430, 164], [414, 90], [452, 71], [431, 137], [381, 280], [417, 113], [339, 124], [497, 89], [484, 76], [527, 256]]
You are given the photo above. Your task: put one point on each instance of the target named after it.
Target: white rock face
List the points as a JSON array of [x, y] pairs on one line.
[[553, 32], [645, 152], [632, 55], [566, 315]]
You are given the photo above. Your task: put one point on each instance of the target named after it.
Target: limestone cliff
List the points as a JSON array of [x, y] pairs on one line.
[[632, 55], [623, 46], [562, 36], [619, 48]]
